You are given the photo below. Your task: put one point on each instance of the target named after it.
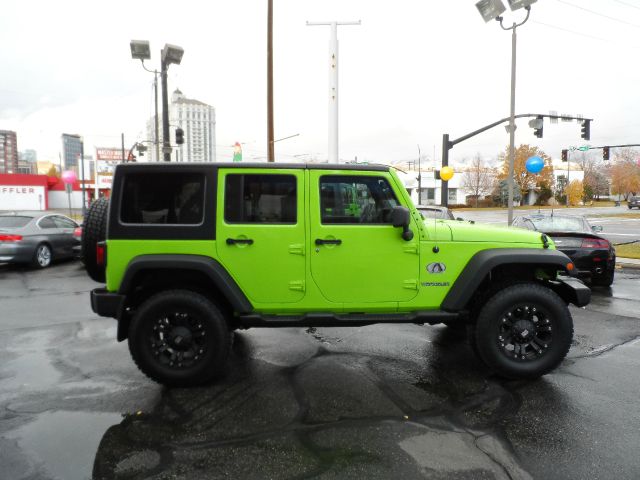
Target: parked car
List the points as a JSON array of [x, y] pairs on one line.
[[437, 212], [634, 202], [37, 238], [592, 254]]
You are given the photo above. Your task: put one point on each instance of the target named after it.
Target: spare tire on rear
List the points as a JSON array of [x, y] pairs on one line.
[[94, 230]]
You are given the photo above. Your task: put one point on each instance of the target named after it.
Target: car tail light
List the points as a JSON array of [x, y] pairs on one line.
[[101, 253], [595, 243], [10, 238], [77, 233]]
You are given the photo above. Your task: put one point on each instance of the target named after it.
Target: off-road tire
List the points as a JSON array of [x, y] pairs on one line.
[[164, 317], [94, 230], [526, 308]]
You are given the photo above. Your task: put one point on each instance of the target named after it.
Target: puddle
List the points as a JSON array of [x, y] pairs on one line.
[[64, 444], [30, 370]]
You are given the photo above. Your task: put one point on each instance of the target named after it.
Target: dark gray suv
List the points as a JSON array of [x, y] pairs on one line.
[[634, 202]]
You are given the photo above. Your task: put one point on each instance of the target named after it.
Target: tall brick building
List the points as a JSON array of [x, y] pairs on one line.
[[8, 151]]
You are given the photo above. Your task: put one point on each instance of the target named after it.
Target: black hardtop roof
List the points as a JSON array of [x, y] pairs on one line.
[[240, 165]]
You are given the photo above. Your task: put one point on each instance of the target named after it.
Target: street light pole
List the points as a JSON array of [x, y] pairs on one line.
[[156, 119], [166, 144], [512, 114], [419, 179], [140, 50]]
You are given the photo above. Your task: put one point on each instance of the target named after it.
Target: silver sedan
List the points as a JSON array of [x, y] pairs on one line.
[[37, 238]]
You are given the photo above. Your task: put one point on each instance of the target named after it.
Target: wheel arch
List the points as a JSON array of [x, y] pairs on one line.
[[146, 275], [500, 264]]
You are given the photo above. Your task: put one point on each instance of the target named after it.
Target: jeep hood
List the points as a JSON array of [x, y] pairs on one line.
[[467, 232]]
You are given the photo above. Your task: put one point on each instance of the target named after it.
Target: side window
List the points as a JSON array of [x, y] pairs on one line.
[[63, 222], [252, 198], [160, 198], [356, 199], [47, 222]]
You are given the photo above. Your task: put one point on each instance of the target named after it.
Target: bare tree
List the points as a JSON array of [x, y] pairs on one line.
[[479, 179]]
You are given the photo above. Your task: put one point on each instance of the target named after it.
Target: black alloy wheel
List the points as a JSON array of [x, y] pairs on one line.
[[523, 331], [179, 338]]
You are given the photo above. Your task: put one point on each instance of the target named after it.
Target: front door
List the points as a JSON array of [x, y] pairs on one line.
[[260, 232], [357, 255]]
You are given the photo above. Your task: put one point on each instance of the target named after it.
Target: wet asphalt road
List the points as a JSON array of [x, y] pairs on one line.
[[373, 402]]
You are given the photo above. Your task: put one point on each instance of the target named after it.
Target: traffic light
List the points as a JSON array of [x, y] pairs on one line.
[[565, 155], [586, 130], [179, 136], [605, 153], [436, 175], [537, 131]]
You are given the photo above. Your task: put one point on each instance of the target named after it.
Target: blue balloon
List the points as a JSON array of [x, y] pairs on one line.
[[534, 164]]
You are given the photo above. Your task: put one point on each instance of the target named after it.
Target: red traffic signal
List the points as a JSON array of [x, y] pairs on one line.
[[565, 155]]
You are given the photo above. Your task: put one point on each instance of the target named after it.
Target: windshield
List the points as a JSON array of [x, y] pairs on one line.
[[436, 213], [558, 224], [13, 221]]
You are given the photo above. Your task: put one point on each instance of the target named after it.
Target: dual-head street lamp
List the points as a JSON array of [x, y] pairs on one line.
[[492, 10], [140, 50]]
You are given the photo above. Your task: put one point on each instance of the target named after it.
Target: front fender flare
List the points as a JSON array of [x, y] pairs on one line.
[[486, 260]]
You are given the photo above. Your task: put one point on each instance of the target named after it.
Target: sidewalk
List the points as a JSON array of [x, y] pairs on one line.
[[628, 262]]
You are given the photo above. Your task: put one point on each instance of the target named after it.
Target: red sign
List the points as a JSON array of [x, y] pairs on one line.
[[113, 154]]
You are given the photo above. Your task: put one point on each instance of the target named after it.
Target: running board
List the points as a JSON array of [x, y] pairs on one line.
[[345, 319]]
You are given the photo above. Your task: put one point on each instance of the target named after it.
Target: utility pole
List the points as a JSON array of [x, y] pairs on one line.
[[333, 85], [270, 141]]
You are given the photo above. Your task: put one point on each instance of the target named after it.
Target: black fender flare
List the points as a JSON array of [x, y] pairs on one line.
[[200, 263], [486, 260]]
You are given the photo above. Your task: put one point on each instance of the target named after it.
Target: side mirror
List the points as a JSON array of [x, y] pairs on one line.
[[400, 217], [596, 228]]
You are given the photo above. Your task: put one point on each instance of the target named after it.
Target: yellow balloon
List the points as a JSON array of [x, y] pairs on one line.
[[446, 173]]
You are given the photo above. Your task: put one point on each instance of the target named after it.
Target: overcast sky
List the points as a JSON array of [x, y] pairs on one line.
[[413, 70]]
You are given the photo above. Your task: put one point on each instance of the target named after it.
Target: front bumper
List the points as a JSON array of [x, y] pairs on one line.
[[573, 291], [107, 304]]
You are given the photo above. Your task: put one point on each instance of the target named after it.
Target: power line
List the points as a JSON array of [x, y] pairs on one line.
[[584, 34], [600, 14], [627, 4]]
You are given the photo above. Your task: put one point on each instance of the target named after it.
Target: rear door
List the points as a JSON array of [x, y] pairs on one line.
[[52, 234], [66, 228], [261, 232], [358, 256]]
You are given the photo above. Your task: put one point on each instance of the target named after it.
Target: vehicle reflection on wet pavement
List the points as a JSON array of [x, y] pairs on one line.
[[381, 401]]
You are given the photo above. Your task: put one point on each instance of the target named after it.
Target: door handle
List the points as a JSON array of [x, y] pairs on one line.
[[246, 241], [320, 241]]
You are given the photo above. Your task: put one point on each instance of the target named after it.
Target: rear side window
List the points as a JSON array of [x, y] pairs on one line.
[[47, 222], [62, 222], [163, 199], [251, 198]]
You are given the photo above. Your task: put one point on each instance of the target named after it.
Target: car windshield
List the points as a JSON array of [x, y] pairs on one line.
[[558, 224], [435, 213], [13, 221]]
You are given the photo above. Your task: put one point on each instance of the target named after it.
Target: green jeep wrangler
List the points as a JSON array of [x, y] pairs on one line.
[[191, 252]]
